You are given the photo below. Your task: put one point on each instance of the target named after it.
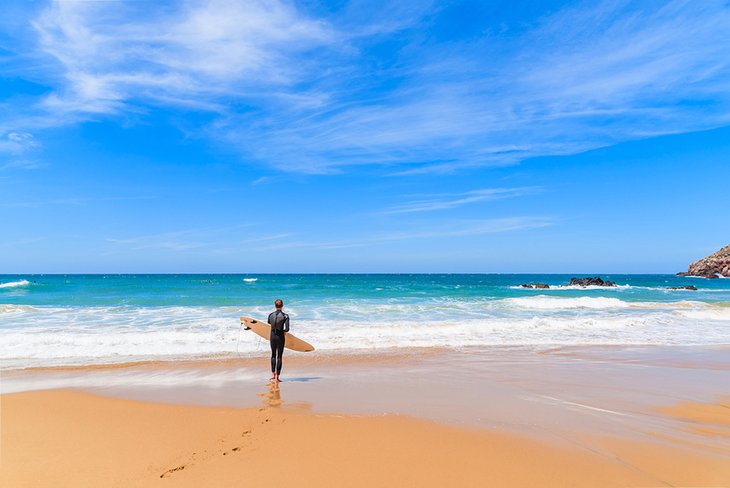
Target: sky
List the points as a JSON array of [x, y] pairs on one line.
[[363, 136]]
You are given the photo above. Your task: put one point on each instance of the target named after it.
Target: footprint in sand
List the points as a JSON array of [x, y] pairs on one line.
[[170, 471]]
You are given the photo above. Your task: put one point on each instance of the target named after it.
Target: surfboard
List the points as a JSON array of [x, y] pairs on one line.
[[263, 329]]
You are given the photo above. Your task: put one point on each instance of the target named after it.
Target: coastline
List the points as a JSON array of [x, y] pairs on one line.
[[93, 441], [610, 416], [422, 380], [94, 319]]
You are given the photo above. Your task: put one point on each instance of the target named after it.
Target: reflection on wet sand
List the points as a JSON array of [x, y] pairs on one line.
[[272, 398], [561, 394]]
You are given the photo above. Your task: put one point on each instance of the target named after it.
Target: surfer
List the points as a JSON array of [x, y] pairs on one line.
[[279, 322]]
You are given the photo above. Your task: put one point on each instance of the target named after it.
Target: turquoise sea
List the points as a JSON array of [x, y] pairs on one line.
[[52, 320]]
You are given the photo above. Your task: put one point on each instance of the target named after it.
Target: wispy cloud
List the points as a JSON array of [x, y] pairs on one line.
[[465, 228], [212, 239], [15, 147], [17, 142], [309, 90], [459, 228], [21, 242], [169, 244], [261, 180], [182, 240], [454, 200], [21, 164], [560, 88], [120, 56], [71, 201]]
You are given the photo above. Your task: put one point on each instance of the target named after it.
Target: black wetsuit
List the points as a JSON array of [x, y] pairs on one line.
[[279, 322]]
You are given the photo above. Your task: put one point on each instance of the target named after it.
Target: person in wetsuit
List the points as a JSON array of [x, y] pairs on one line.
[[279, 322]]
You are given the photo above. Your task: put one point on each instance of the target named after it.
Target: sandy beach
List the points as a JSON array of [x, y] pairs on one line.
[[489, 238], [594, 417]]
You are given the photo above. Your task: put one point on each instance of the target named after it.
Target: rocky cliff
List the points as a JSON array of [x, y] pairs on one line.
[[711, 266]]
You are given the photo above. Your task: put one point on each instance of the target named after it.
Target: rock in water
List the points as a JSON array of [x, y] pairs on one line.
[[685, 287], [535, 285], [595, 281], [711, 266]]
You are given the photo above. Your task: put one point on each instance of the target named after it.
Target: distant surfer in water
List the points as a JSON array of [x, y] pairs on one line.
[[279, 322]]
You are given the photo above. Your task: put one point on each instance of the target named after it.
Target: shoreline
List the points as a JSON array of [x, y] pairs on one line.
[[558, 388], [602, 416], [90, 440], [365, 355], [143, 318]]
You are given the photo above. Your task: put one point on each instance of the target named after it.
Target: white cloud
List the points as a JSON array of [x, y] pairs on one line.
[[21, 164], [17, 142], [449, 201], [114, 55], [261, 180], [208, 238], [69, 200], [15, 147], [584, 78], [457, 228], [470, 228], [302, 93]]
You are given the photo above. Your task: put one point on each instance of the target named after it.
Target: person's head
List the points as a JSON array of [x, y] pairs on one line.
[[278, 303]]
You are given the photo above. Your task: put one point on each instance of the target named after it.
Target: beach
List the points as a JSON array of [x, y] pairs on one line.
[[568, 417], [481, 404], [495, 229]]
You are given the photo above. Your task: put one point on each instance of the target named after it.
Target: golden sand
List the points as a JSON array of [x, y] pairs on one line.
[[68, 438]]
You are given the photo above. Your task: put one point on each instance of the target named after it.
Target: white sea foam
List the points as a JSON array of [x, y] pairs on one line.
[[15, 284], [250, 280], [543, 302], [46, 336], [714, 313], [10, 308], [664, 288], [575, 287], [202, 377]]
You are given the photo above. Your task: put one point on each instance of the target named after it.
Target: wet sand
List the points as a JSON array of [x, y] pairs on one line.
[[65, 438], [618, 416]]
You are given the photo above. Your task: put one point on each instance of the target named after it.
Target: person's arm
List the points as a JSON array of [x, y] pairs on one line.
[[269, 319], [286, 323]]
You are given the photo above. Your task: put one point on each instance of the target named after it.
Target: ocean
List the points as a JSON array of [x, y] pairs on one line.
[[63, 320]]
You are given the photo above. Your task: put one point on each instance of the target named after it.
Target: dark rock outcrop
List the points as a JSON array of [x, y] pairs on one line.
[[686, 287], [711, 266], [595, 281], [534, 285]]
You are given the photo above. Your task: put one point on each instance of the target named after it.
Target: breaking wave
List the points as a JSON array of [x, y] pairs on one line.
[[15, 284], [50, 336]]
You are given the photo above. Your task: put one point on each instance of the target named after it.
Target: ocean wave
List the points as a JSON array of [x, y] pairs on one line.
[[664, 288], [11, 308], [224, 338], [15, 284], [714, 313], [544, 302], [363, 311], [592, 287], [42, 336], [548, 303], [575, 287], [250, 280]]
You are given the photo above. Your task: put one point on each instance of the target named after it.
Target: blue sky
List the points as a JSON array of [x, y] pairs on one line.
[[363, 136]]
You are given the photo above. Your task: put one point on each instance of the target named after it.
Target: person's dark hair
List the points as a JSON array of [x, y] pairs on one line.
[[278, 303]]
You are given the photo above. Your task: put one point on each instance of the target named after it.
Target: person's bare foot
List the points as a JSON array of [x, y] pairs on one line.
[[273, 377], [277, 379]]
